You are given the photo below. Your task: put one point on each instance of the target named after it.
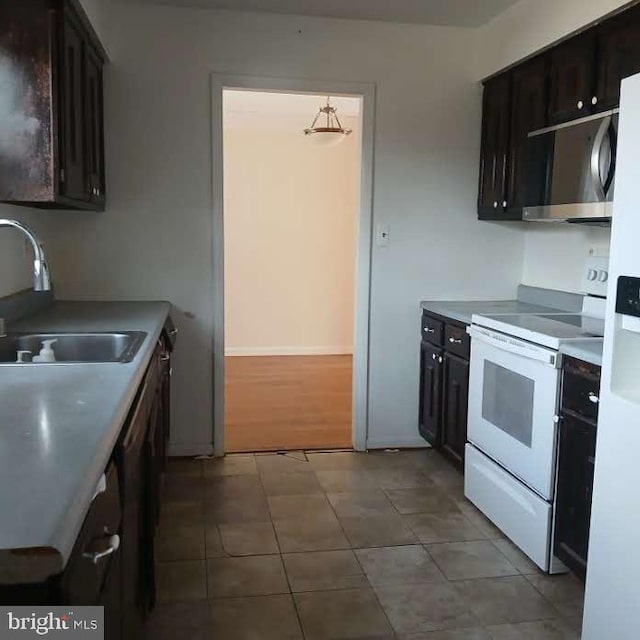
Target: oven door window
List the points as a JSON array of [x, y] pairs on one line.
[[507, 402]]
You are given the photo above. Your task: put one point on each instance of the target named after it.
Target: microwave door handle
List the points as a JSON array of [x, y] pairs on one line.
[[596, 154], [612, 143]]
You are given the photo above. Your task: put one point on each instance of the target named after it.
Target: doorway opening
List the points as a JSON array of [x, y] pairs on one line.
[[292, 251], [291, 206]]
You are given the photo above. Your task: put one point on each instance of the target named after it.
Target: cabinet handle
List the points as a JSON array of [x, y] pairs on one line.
[[495, 204], [594, 100], [580, 104], [453, 340], [440, 359], [165, 358], [434, 356], [173, 332], [504, 204], [427, 330], [593, 397], [96, 556]]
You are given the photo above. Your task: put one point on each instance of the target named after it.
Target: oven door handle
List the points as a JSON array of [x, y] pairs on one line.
[[514, 346]]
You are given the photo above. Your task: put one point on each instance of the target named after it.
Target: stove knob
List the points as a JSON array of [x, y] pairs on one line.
[[592, 275], [603, 276]]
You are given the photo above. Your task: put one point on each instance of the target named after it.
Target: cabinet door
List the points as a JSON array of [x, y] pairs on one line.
[[430, 393], [95, 129], [528, 113], [619, 56], [572, 78], [456, 394], [576, 459], [72, 129], [493, 155], [165, 402], [134, 492]]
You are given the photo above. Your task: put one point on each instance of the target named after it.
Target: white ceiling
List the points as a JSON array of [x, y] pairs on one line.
[[286, 104], [462, 13]]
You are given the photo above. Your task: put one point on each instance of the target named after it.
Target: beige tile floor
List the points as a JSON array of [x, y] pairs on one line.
[[343, 546]]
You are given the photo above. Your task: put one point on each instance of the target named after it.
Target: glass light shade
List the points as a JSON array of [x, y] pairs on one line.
[[327, 138]]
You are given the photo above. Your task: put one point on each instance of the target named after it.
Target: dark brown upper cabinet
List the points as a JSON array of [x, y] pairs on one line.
[[528, 113], [492, 193], [572, 78], [52, 154], [618, 56]]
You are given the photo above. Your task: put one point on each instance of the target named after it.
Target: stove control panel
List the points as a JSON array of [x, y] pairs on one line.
[[595, 276]]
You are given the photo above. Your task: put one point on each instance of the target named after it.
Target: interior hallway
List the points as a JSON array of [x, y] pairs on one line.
[[278, 403], [343, 546]]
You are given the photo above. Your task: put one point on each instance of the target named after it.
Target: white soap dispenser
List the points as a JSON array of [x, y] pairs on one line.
[[46, 353]]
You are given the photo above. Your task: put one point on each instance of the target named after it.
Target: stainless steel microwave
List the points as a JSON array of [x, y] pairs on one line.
[[570, 170]]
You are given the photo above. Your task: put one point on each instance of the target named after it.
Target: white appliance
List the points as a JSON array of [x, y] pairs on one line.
[[512, 424], [613, 589]]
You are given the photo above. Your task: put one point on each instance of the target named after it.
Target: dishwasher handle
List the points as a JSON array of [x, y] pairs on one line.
[[515, 346]]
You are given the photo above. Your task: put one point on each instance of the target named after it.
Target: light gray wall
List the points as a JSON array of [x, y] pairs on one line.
[[16, 258], [155, 239]]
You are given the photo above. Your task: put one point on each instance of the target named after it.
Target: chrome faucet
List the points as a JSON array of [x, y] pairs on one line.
[[41, 278]]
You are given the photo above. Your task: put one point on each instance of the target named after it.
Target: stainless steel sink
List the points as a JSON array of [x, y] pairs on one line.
[[74, 347]]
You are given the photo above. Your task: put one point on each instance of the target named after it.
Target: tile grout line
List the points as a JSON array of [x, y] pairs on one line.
[[284, 567]]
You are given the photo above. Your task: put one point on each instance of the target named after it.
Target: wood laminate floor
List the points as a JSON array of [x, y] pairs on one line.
[[278, 403]]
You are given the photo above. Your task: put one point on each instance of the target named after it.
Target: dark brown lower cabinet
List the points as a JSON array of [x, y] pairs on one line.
[[576, 460], [93, 575], [456, 399], [444, 384], [430, 412], [142, 457]]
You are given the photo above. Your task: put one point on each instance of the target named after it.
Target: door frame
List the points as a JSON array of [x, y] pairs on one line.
[[367, 93]]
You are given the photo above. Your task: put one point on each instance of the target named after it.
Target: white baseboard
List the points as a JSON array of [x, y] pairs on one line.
[[391, 442], [288, 351], [187, 450]]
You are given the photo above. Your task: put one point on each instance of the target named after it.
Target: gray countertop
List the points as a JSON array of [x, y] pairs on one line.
[[586, 350], [462, 311], [58, 427]]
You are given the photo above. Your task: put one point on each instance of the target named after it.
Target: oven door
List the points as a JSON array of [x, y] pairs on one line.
[[513, 390]]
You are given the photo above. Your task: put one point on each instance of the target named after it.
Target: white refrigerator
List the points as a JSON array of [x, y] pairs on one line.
[[612, 603]]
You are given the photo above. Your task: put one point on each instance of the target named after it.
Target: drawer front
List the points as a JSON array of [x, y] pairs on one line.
[[521, 514], [432, 330], [581, 388], [86, 572], [457, 340]]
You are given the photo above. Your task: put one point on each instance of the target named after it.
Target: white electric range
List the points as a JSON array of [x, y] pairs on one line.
[[512, 423]]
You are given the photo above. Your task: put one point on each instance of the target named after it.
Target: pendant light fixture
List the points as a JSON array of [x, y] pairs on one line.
[[330, 130]]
